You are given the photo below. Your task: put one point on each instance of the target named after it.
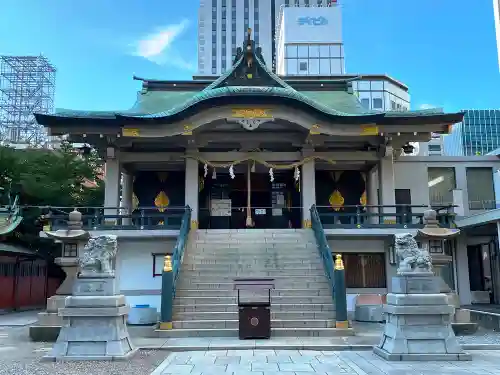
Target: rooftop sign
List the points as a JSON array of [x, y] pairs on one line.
[[312, 21]]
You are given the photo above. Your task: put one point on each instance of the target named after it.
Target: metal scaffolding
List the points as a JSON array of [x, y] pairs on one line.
[[27, 86]]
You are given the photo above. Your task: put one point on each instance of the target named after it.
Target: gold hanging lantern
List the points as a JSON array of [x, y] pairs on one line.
[[336, 200], [162, 201]]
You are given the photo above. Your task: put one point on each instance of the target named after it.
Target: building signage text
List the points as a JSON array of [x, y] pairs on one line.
[[312, 21]]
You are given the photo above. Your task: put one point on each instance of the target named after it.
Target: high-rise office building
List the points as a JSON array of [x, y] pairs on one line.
[[477, 134], [223, 24]]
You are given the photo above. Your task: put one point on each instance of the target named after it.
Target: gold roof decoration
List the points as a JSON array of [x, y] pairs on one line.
[[362, 200]]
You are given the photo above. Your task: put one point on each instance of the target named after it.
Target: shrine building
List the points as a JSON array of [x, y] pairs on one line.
[[254, 151]]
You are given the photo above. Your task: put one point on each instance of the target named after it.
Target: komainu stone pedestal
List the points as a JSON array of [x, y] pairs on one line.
[[418, 326], [94, 326], [94, 323]]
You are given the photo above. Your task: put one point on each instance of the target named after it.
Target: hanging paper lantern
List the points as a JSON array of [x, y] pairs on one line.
[[205, 170], [231, 172]]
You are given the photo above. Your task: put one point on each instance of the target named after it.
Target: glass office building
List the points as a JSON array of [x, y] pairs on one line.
[[477, 134]]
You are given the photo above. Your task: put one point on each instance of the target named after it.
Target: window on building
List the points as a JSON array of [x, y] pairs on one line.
[[377, 103], [324, 51], [313, 67], [393, 105], [303, 51], [324, 67], [314, 51], [441, 183], [435, 148], [480, 188], [291, 51], [303, 66], [335, 66], [365, 102], [291, 66], [365, 270]]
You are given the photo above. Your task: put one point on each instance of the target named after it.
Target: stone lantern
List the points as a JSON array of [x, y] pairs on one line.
[[72, 241], [435, 240]]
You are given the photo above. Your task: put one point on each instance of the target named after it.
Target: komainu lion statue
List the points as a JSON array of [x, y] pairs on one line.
[[410, 257], [98, 256]]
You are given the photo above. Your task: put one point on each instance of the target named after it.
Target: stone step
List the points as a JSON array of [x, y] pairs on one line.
[[229, 293], [217, 278], [286, 236], [275, 315], [276, 292], [233, 307], [247, 267], [250, 259], [196, 300], [193, 258], [251, 273], [251, 247], [220, 324], [279, 284], [275, 332]]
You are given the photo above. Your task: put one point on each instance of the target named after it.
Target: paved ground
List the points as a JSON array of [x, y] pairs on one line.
[[20, 356], [294, 362]]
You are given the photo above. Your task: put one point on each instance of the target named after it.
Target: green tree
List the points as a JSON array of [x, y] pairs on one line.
[[49, 178]]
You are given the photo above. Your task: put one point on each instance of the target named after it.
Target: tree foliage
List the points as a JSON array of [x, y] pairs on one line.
[[48, 178]]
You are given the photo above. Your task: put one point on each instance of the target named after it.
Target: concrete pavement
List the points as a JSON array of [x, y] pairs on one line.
[[304, 362]]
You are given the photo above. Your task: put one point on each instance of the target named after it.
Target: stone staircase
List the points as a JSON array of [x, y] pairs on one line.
[[206, 304]]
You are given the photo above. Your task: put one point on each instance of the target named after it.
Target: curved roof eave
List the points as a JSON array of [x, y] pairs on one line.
[[243, 91]]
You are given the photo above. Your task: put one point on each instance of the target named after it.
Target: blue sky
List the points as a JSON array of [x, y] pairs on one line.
[[444, 50]]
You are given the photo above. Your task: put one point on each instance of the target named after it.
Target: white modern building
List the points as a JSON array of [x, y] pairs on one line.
[[309, 41], [223, 24]]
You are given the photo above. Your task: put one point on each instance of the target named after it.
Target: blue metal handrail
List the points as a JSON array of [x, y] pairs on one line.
[[180, 245], [322, 244]]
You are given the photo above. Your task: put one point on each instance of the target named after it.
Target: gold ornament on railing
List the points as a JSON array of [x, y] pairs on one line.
[[167, 264], [336, 200], [162, 201], [339, 264], [362, 200]]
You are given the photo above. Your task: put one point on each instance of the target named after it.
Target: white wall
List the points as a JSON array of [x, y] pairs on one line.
[[134, 266], [312, 25]]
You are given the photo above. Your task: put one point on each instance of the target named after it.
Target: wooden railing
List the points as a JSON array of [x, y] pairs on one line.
[[322, 244]]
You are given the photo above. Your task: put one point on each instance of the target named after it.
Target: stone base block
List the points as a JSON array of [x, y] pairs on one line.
[[56, 302], [95, 286], [415, 284], [49, 319], [94, 328], [369, 313], [44, 333], [129, 355], [421, 357]]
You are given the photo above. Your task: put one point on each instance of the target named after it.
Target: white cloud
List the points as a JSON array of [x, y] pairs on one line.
[[157, 47], [428, 106]]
